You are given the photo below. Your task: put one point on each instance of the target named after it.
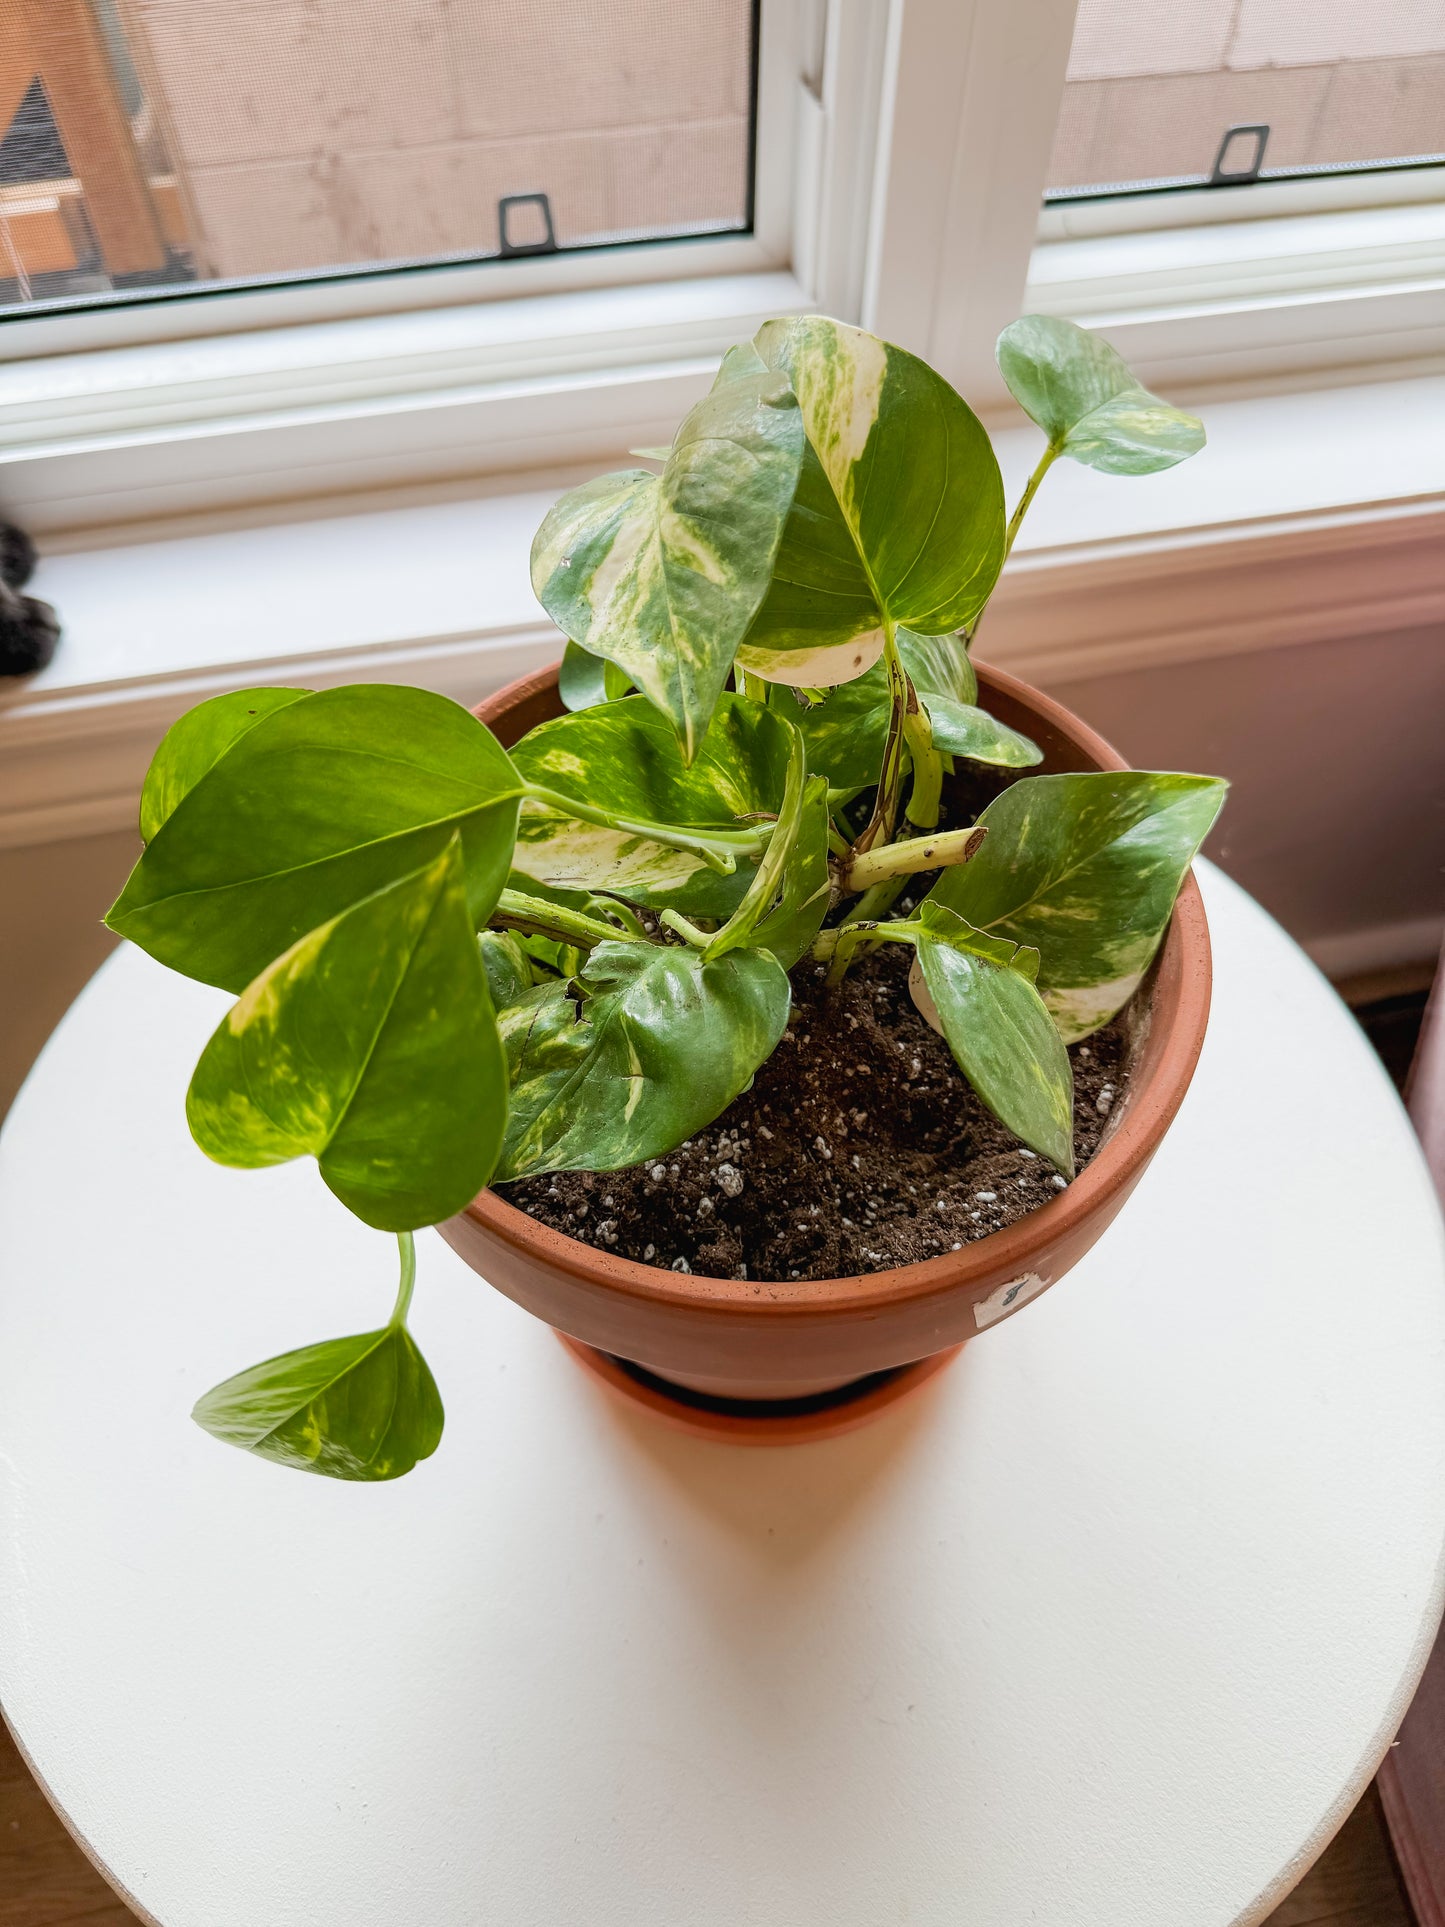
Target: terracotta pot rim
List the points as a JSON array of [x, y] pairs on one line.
[[1145, 1114]]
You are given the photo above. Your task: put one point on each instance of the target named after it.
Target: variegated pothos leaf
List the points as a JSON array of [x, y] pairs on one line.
[[1000, 1031], [662, 574], [362, 1408], [370, 1045], [625, 754], [652, 1045], [1087, 400], [319, 801], [1085, 867], [898, 511]]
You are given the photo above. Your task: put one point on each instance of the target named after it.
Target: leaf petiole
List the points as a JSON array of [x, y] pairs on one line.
[[1031, 489], [927, 792], [719, 850], [853, 937], [871, 867], [536, 918], [407, 1245], [879, 827], [675, 921]]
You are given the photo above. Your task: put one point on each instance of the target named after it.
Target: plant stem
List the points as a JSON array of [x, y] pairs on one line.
[[718, 849], [689, 932], [1015, 521], [399, 1310], [879, 827], [612, 909], [876, 901], [854, 937], [536, 918], [916, 853], [926, 795]]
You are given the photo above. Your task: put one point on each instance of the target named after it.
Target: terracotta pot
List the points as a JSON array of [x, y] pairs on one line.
[[732, 1340]]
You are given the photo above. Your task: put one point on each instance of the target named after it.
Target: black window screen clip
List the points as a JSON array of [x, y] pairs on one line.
[[1223, 176], [508, 247]]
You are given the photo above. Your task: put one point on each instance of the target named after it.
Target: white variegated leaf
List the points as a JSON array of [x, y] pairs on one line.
[[662, 574], [981, 990], [1085, 397], [626, 755], [1085, 867], [898, 513], [651, 1045]]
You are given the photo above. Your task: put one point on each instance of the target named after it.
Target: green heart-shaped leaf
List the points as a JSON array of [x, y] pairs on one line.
[[1000, 1031], [1084, 396], [662, 574], [193, 745], [363, 1408], [370, 1044], [313, 806], [1086, 868], [626, 755], [661, 1042], [898, 512]]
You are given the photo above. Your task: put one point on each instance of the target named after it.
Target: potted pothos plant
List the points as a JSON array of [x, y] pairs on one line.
[[795, 1028]]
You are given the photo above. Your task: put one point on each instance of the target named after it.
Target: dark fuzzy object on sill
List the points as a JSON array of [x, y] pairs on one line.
[[29, 628]]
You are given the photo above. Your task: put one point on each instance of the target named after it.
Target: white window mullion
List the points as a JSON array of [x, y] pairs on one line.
[[962, 169]]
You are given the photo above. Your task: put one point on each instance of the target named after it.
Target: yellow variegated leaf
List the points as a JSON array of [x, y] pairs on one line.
[[898, 512], [662, 574], [370, 1045], [1087, 400], [626, 754], [1085, 867]]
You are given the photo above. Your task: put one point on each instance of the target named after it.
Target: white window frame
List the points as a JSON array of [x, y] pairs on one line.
[[226, 400], [904, 152], [1251, 289]]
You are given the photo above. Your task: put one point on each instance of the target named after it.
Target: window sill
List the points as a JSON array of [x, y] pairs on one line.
[[1310, 517], [235, 422], [1263, 298]]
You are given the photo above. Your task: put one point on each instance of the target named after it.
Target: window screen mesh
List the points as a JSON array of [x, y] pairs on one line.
[[147, 141], [1154, 86]]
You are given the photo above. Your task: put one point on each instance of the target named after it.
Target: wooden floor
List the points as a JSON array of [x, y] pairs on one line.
[[46, 1881]]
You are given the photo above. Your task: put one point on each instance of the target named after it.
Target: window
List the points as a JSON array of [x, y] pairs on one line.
[[1169, 96], [293, 249], [180, 143]]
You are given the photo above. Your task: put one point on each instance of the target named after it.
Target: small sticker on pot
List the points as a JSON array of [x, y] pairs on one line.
[[1007, 1298]]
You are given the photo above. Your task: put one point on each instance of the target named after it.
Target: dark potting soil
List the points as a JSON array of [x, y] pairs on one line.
[[859, 1148]]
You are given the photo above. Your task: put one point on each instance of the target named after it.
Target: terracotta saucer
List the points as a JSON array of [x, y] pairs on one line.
[[748, 1421]]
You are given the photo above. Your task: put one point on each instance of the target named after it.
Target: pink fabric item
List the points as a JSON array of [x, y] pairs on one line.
[[1425, 1087], [1412, 1778]]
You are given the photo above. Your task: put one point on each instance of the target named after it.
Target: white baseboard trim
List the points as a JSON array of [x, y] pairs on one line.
[[1384, 946], [1069, 614]]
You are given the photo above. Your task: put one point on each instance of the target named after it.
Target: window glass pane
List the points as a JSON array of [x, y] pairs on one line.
[[144, 142], [1155, 85]]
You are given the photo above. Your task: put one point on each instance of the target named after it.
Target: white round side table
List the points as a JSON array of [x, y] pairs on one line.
[[1108, 1627]]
